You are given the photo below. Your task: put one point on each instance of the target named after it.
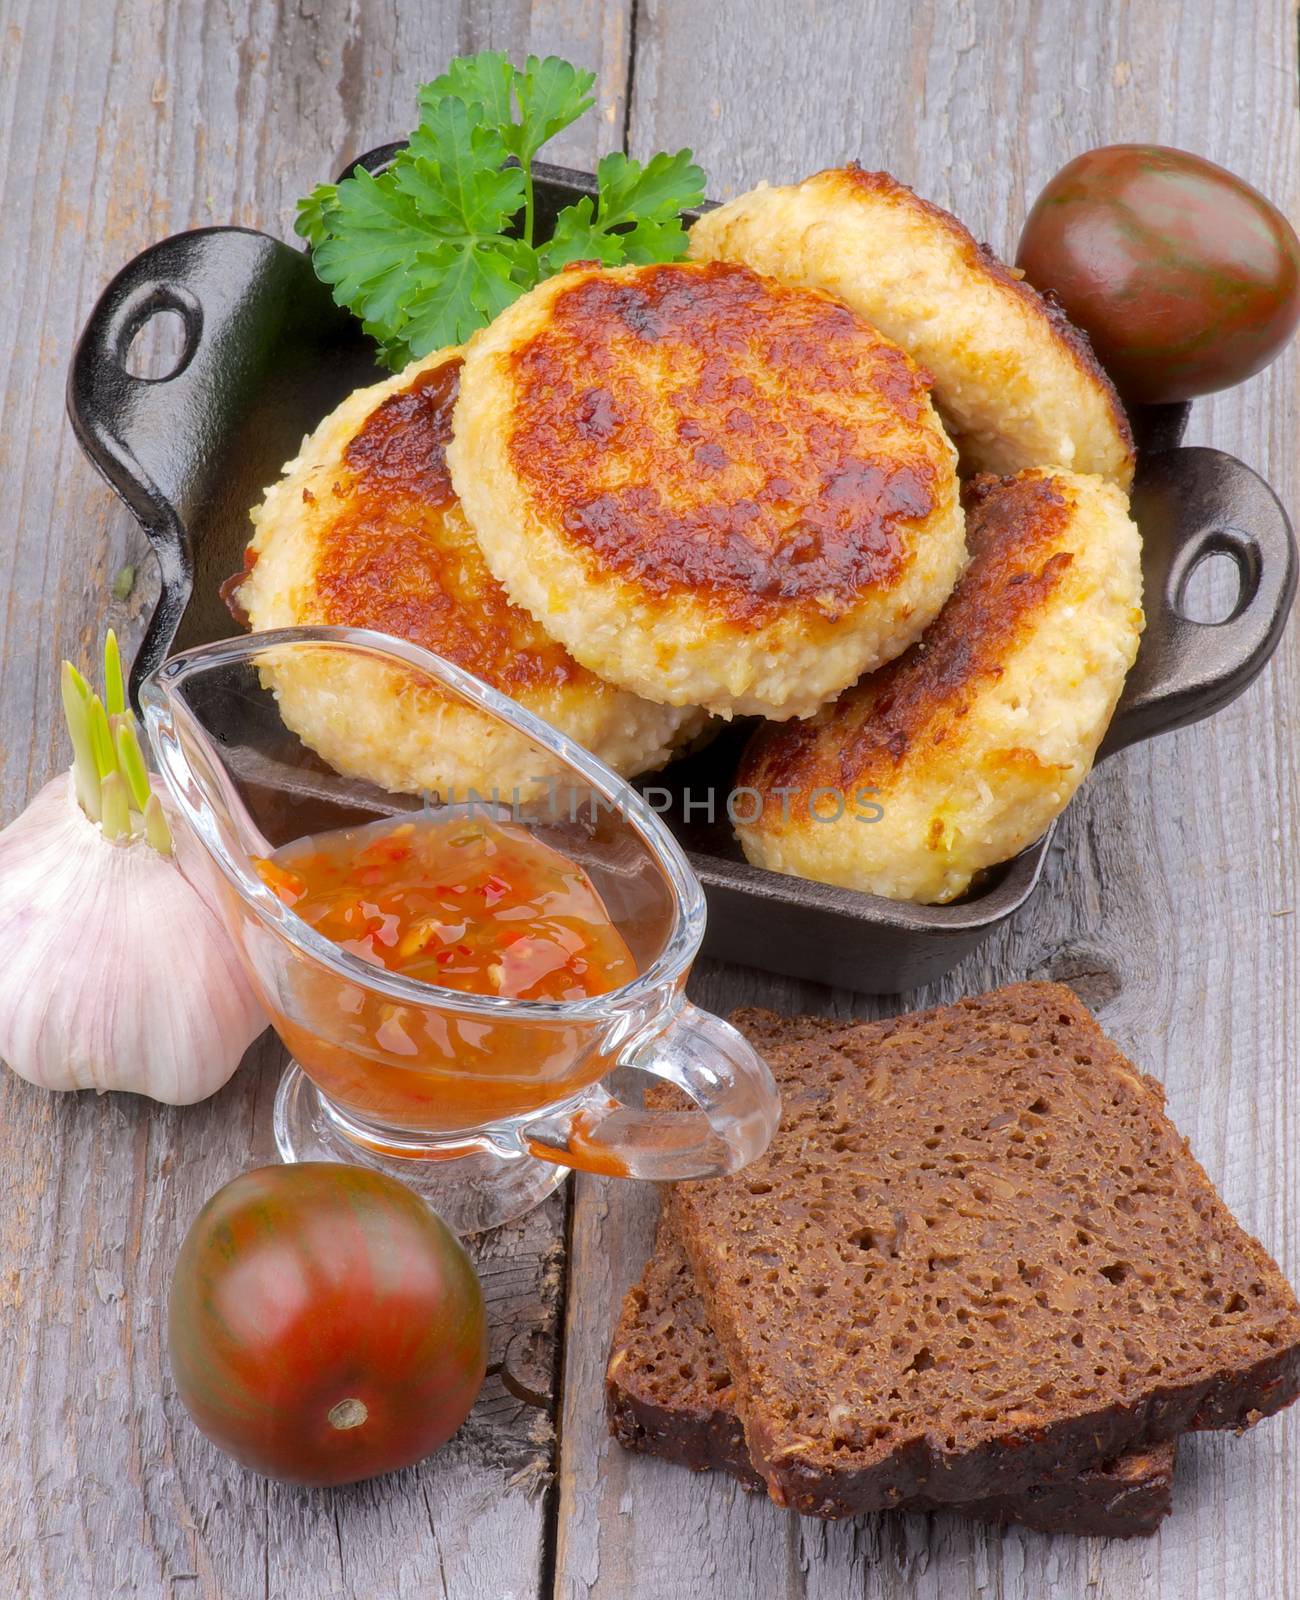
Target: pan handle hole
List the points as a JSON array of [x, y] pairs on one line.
[[1213, 587], [159, 347]]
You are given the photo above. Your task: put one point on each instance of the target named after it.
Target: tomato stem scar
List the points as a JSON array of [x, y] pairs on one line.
[[348, 1414]]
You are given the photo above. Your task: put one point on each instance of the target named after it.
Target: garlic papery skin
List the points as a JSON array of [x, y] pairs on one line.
[[115, 973]]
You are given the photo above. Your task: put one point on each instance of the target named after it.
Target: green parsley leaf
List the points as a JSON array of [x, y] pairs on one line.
[[459, 292], [658, 190], [418, 252], [636, 217], [376, 238], [578, 237], [392, 353], [486, 80], [315, 212], [439, 243], [552, 94], [651, 239], [454, 170]]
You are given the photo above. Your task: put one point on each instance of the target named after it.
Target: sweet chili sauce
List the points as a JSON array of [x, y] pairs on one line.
[[467, 903]]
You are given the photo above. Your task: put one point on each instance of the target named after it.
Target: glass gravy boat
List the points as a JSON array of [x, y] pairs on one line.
[[480, 1102]]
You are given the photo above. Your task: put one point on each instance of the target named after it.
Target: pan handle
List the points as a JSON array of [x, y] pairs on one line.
[[160, 441], [1191, 503]]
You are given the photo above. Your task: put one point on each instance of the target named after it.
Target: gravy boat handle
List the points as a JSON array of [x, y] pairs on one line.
[[735, 1114]]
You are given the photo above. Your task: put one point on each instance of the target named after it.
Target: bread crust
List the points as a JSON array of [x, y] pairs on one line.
[[1145, 1280], [669, 1395]]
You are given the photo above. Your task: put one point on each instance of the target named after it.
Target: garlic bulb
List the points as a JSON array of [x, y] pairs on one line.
[[117, 973]]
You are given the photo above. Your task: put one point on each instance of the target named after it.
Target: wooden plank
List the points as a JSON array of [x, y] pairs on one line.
[[119, 124], [1171, 897]]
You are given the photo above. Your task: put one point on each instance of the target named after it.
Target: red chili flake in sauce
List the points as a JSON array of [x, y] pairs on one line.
[[527, 921]]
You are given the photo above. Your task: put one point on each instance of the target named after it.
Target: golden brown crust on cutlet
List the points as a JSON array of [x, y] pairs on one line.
[[396, 554], [765, 504], [959, 753], [1016, 384], [364, 529], [701, 430], [982, 258], [913, 707]]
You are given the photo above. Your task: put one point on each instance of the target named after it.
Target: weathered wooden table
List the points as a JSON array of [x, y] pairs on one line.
[[1172, 901]]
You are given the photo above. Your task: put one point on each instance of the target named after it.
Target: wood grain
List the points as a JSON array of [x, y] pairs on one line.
[[1171, 898], [119, 124], [1172, 893]]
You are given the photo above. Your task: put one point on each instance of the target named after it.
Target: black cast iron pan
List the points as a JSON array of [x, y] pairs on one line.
[[266, 354]]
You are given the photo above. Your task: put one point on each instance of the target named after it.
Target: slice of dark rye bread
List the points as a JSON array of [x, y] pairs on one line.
[[976, 1256], [668, 1394]]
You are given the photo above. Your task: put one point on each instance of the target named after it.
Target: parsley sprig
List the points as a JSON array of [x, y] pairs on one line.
[[444, 238]]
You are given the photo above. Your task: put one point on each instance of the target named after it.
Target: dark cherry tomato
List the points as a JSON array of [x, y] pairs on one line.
[[1185, 278], [324, 1325]]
